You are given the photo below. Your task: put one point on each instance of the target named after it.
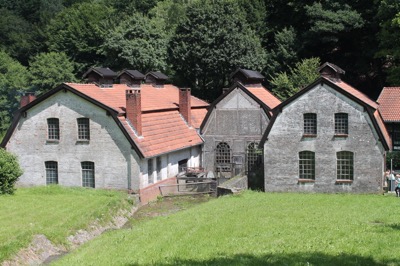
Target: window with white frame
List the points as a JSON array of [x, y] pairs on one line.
[[310, 124], [83, 128], [307, 165], [53, 129], [341, 124], [88, 179], [51, 172], [345, 165]]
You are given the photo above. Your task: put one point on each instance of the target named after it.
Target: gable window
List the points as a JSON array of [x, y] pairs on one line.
[[83, 129], [341, 124], [159, 167], [150, 170], [310, 124], [253, 155], [51, 172], [307, 165], [223, 156], [53, 129], [88, 174], [345, 167]]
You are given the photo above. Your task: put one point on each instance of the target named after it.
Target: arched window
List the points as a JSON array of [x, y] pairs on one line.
[[345, 168], [253, 155], [307, 165], [223, 155]]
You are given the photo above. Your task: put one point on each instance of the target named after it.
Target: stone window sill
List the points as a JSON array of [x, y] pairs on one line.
[[341, 135], [309, 135], [82, 141], [306, 181], [53, 141], [344, 181]]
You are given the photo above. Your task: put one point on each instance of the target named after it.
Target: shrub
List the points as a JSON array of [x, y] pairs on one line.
[[9, 172], [395, 157]]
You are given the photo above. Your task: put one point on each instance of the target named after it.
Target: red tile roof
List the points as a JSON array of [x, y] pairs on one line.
[[264, 95], [389, 104], [356, 93], [163, 128]]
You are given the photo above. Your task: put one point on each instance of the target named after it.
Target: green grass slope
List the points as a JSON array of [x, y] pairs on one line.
[[259, 229], [53, 211]]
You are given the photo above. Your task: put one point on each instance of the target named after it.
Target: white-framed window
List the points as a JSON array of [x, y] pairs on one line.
[[88, 178], [53, 129], [51, 172], [345, 165], [307, 165], [83, 128]]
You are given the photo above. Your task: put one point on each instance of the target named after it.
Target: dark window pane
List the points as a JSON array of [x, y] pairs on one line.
[[83, 128], [88, 174], [310, 124], [341, 123], [306, 165], [53, 128], [345, 165], [51, 172]]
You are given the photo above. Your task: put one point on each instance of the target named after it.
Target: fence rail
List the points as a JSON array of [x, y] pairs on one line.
[[188, 188]]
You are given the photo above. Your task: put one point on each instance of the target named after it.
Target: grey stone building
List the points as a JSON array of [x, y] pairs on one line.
[[129, 136], [329, 137], [234, 124]]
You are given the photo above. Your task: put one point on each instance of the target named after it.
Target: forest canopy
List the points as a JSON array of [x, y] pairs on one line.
[[197, 43]]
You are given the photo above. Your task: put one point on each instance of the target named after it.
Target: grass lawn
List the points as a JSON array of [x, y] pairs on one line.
[[54, 211], [258, 229]]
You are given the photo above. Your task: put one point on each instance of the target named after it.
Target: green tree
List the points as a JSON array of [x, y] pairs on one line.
[[287, 84], [10, 171], [389, 36], [170, 13], [211, 43], [139, 43], [79, 31], [13, 81], [283, 53], [47, 70]]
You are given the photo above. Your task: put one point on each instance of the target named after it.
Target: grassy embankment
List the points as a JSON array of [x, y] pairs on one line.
[[55, 212], [258, 229]]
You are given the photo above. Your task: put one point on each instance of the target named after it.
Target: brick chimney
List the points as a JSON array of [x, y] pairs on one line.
[[185, 104], [134, 109], [27, 98]]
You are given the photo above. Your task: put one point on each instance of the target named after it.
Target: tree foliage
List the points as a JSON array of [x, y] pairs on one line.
[[137, 43], [287, 84], [213, 41], [13, 81], [10, 171], [79, 31], [47, 70]]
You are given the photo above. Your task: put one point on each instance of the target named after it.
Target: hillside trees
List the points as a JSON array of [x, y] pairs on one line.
[[137, 43], [13, 81], [213, 40], [48, 70], [79, 31], [286, 84]]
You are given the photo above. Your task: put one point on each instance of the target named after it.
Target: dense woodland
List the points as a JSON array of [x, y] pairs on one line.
[[197, 43]]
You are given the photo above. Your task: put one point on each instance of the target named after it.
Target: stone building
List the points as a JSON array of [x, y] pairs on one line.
[[329, 137], [129, 136], [234, 124], [389, 107]]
